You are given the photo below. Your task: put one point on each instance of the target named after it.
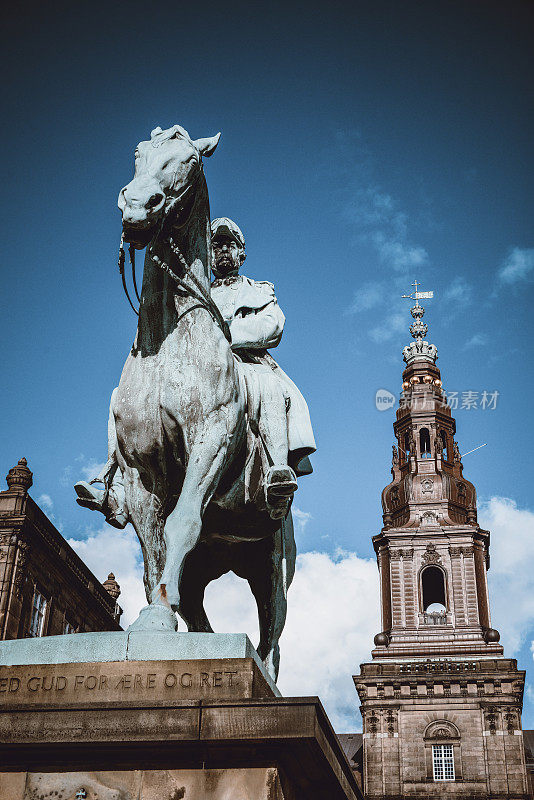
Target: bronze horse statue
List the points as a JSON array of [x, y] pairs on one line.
[[180, 443]]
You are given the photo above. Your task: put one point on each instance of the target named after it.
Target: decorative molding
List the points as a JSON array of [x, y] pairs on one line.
[[462, 551], [431, 555], [441, 729], [429, 518], [427, 486]]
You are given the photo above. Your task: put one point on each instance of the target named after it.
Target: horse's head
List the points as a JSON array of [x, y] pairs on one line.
[[167, 169]]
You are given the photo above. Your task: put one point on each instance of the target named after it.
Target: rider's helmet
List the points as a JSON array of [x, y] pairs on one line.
[[224, 226]]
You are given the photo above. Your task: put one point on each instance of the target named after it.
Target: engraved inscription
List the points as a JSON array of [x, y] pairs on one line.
[[162, 681]]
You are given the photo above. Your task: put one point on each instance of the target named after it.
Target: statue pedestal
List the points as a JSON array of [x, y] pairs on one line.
[[158, 715]]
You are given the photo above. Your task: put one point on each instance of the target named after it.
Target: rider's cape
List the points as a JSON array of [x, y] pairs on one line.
[[255, 303]]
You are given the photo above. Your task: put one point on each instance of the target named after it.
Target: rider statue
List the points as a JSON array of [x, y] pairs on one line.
[[276, 410], [256, 324]]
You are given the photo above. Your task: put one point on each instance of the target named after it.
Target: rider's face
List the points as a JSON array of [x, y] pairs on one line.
[[226, 255]]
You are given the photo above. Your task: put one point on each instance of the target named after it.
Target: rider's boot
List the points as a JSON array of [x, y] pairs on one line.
[[89, 496], [110, 503], [280, 486]]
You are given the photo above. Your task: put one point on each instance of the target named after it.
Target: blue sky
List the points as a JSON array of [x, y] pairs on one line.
[[363, 145]]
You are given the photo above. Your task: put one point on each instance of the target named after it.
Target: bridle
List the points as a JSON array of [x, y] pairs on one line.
[[197, 291]]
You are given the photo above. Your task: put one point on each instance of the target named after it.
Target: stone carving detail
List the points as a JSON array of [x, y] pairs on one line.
[[511, 721], [396, 555], [431, 555], [373, 721], [429, 518], [468, 550], [491, 716], [22, 560], [391, 721], [427, 486], [394, 456], [441, 729], [394, 496]]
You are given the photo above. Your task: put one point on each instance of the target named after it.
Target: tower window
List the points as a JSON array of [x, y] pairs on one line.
[[443, 762], [424, 443], [406, 444], [433, 587], [443, 436]]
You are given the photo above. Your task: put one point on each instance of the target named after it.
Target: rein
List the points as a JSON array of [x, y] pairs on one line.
[[203, 298]]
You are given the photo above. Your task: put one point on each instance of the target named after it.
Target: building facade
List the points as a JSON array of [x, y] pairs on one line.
[[441, 704], [45, 588]]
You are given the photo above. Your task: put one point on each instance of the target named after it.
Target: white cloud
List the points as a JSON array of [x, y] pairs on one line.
[[511, 578], [389, 327], [397, 254], [518, 266], [367, 297], [300, 518], [382, 224], [333, 603], [333, 614], [459, 293], [91, 468], [46, 501], [110, 550], [478, 340], [86, 469]]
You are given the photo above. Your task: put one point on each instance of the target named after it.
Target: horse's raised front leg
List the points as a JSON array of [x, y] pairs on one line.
[[184, 524], [271, 571]]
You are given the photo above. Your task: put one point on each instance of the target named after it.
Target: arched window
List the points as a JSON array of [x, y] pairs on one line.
[[424, 443], [407, 444], [443, 437], [433, 590]]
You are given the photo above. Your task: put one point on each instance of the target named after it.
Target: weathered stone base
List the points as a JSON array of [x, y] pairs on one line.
[[137, 725], [209, 784], [266, 749]]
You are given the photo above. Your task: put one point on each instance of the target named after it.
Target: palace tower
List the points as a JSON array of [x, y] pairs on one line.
[[441, 705]]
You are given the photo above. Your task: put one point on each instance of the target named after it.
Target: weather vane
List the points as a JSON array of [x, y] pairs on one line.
[[418, 295]]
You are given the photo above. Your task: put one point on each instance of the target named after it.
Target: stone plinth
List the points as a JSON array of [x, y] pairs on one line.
[[147, 668], [132, 727]]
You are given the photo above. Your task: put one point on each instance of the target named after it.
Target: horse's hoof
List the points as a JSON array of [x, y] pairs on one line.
[[155, 617]]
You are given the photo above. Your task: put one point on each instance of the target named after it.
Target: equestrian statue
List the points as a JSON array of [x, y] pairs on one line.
[[206, 434]]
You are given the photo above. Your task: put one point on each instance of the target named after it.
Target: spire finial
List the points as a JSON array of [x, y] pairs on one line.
[[19, 478], [111, 586], [420, 349]]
